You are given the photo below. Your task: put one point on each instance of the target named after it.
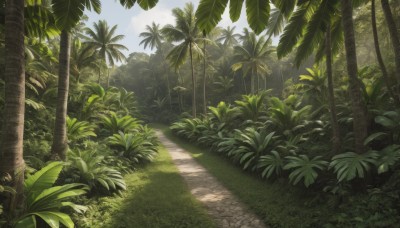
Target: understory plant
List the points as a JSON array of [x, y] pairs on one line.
[[43, 201], [133, 146], [88, 167]]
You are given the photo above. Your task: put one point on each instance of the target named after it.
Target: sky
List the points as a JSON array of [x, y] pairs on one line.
[[133, 21]]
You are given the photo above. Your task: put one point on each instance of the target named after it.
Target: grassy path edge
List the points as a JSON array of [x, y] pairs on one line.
[[277, 203], [156, 196]]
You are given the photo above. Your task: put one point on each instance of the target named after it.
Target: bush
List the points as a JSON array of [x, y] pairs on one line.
[[87, 167]]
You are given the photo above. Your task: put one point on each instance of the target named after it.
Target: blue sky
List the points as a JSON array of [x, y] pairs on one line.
[[133, 21]]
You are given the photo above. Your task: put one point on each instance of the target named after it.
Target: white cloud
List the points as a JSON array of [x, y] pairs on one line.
[[159, 15]]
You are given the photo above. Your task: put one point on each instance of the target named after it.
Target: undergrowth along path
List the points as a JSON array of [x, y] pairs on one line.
[[157, 197], [221, 205]]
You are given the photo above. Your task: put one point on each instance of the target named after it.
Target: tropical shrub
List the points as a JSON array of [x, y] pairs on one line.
[[302, 167], [44, 201], [87, 167], [391, 122], [190, 129], [252, 145], [270, 164], [147, 133], [223, 113], [113, 124], [251, 107], [78, 130], [284, 119], [133, 146], [388, 158], [350, 165]]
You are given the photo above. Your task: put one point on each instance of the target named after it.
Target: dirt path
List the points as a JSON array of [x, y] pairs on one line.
[[220, 203]]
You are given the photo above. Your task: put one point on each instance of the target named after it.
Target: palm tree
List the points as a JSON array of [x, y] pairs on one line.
[[186, 32], [228, 37], [59, 146], [360, 127], [68, 15], [379, 55], [394, 35], [251, 58], [318, 21], [336, 139], [82, 57], [11, 157], [153, 38], [103, 40]]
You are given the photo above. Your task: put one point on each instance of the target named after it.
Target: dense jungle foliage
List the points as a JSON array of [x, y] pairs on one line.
[[308, 94]]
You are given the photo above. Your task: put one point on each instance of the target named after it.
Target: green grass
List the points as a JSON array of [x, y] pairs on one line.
[[277, 203], [156, 196]]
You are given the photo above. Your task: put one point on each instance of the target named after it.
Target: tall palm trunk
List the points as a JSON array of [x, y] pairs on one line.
[[394, 36], [60, 145], [360, 127], [379, 55], [204, 79], [98, 79], [244, 85], [11, 157], [252, 82], [193, 83], [336, 142], [108, 77]]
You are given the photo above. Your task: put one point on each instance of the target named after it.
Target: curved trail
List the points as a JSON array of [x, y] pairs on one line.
[[219, 201]]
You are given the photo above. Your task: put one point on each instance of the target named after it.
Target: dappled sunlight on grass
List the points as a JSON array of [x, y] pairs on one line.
[[156, 197]]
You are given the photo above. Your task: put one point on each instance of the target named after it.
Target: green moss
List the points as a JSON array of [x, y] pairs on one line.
[[277, 203], [156, 197]]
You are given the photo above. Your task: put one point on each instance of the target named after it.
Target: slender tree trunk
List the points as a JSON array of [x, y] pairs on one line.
[[167, 76], [59, 147], [252, 84], [336, 139], [98, 79], [204, 79], [265, 82], [244, 84], [379, 55], [11, 157], [193, 83], [394, 36], [108, 77], [360, 127]]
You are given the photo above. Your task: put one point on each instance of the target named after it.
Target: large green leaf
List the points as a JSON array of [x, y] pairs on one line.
[[286, 7], [275, 23], [350, 165], [257, 14], [147, 4], [42, 179], [235, 9], [94, 5], [127, 3], [294, 29], [304, 168], [68, 12], [313, 35], [27, 222], [53, 219], [209, 13], [273, 163]]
